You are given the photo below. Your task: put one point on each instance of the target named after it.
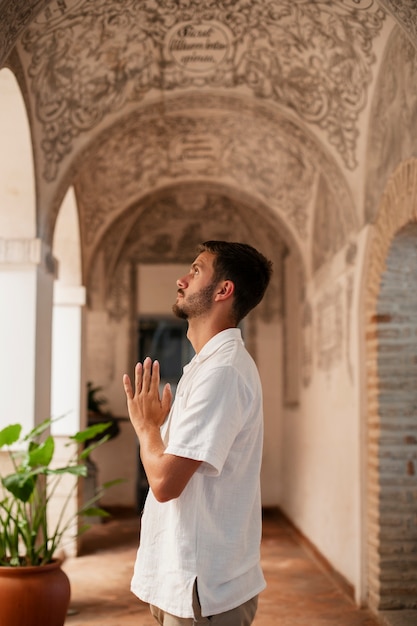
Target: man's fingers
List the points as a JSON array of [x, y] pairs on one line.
[[146, 378], [138, 378], [127, 386], [154, 384], [166, 398]]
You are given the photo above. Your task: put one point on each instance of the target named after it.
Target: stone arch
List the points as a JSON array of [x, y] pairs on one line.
[[17, 189], [391, 351], [68, 395], [151, 207]]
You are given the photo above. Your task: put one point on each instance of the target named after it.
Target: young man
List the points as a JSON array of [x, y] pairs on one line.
[[198, 559]]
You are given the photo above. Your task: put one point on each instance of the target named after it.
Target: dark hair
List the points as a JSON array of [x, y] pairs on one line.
[[247, 268]]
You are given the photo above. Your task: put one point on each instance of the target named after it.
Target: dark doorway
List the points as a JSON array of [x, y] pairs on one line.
[[164, 339]]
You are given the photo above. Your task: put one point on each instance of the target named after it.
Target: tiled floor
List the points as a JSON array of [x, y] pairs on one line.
[[299, 592]]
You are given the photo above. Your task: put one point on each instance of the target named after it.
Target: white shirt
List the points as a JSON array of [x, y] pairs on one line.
[[212, 531]]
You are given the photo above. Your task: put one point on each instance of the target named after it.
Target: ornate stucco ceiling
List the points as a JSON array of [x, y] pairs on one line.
[[241, 103]]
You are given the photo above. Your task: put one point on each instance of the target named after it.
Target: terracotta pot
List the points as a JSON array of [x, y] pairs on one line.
[[34, 596]]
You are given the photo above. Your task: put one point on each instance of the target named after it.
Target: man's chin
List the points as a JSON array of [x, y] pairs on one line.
[[178, 311]]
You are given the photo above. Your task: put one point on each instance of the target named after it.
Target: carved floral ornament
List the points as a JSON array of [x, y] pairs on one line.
[[394, 112], [277, 172], [404, 12], [88, 59], [169, 224], [144, 151]]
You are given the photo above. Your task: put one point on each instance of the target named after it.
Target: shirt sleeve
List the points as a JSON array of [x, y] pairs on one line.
[[207, 419]]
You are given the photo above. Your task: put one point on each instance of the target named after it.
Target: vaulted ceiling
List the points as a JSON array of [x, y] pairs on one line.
[[272, 121]]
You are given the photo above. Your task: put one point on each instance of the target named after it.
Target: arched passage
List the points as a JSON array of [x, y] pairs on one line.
[[26, 271], [163, 230], [68, 386], [391, 346]]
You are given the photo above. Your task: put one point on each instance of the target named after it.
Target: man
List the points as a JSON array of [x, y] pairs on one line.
[[198, 561]]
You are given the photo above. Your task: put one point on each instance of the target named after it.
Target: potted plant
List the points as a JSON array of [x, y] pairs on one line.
[[28, 539]]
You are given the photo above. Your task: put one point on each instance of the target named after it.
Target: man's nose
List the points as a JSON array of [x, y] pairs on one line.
[[181, 282]]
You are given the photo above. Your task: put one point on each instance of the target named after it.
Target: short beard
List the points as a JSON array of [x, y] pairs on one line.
[[198, 303]]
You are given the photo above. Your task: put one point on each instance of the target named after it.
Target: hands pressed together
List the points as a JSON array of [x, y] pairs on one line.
[[146, 408]]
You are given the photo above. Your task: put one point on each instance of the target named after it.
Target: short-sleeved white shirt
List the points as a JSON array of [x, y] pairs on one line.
[[212, 531]]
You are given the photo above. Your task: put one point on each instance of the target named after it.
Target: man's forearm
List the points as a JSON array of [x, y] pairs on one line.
[[167, 474], [152, 451]]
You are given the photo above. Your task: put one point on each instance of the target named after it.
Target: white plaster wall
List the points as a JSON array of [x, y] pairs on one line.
[[18, 291], [322, 443], [67, 381], [25, 339], [24, 312], [68, 384], [17, 187], [66, 244]]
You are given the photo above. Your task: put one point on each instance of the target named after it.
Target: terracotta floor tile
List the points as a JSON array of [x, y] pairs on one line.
[[299, 591]]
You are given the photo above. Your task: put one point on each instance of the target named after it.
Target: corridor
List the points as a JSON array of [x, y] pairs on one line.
[[299, 591]]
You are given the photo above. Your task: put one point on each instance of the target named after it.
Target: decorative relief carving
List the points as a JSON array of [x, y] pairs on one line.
[[218, 218], [15, 16], [210, 146], [404, 12], [329, 334], [393, 119], [117, 172], [313, 58], [332, 226], [361, 5]]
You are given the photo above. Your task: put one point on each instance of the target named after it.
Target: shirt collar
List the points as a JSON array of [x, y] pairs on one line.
[[213, 344]]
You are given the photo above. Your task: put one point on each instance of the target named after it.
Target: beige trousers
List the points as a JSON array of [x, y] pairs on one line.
[[242, 615]]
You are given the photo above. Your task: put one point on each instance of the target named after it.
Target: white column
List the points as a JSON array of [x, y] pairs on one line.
[[68, 374], [26, 286]]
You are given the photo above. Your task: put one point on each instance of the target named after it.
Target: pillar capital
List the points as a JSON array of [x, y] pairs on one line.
[[69, 295], [27, 252]]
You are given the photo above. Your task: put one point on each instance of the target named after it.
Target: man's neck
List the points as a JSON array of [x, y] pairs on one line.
[[200, 331]]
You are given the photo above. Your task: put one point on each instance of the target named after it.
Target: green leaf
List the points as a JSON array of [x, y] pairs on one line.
[[76, 470], [90, 432], [94, 511], [10, 435], [83, 529], [38, 430], [86, 452], [20, 485], [41, 454], [111, 483]]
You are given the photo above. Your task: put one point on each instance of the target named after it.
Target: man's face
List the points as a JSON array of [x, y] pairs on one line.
[[196, 289]]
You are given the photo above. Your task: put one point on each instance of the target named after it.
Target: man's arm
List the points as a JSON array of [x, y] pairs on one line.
[[167, 474]]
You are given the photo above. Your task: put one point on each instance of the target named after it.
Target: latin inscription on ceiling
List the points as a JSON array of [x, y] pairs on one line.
[[198, 47]]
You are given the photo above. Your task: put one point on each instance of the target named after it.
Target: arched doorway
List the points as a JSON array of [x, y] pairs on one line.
[[391, 362]]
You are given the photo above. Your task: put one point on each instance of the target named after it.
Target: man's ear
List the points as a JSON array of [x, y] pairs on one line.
[[225, 290]]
